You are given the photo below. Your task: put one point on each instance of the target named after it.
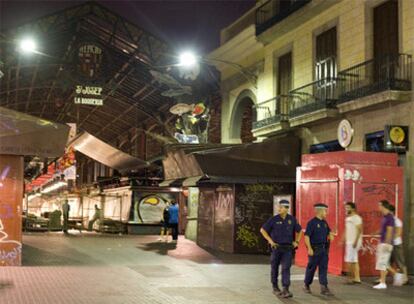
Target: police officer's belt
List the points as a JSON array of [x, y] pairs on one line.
[[318, 248], [286, 247]]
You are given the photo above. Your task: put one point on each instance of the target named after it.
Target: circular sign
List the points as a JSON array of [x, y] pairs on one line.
[[345, 133], [397, 135]]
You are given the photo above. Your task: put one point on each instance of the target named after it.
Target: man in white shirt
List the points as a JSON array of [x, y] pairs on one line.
[[353, 242], [397, 255]]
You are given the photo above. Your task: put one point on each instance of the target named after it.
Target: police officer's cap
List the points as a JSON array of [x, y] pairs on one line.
[[320, 206], [284, 203]]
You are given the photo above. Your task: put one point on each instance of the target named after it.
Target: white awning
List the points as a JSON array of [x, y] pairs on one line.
[[22, 134], [106, 154], [192, 181]]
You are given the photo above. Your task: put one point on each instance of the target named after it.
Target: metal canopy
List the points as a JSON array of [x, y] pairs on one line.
[[106, 154], [43, 85], [272, 160], [22, 134]]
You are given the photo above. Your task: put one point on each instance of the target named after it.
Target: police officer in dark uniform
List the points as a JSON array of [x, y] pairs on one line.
[[317, 239], [283, 234]]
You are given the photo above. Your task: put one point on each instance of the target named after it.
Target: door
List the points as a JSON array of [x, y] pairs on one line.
[[205, 231], [385, 40], [224, 220], [310, 193], [325, 66], [284, 83]]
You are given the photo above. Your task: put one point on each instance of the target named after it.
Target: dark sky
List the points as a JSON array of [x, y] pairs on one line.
[[192, 24]]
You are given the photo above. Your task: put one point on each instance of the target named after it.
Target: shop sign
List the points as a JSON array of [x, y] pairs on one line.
[[396, 138], [88, 95], [345, 133]]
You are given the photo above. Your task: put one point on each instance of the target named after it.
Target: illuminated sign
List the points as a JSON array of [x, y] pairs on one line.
[[88, 95]]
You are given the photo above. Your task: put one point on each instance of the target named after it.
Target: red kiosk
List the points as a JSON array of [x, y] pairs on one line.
[[337, 177]]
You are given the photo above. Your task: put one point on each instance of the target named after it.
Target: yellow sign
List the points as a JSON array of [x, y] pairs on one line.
[[397, 135]]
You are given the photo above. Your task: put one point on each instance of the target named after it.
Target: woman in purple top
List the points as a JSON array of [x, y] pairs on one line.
[[384, 249]]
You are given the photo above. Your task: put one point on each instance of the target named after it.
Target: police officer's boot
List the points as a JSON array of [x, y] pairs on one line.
[[286, 293], [306, 289], [276, 290], [325, 291]]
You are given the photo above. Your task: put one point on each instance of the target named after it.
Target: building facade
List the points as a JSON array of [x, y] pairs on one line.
[[302, 66]]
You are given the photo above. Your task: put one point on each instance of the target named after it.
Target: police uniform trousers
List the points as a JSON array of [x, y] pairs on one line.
[[318, 260], [281, 256]]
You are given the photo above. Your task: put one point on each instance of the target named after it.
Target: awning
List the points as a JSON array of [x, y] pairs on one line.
[[192, 181], [106, 154], [22, 134], [177, 182]]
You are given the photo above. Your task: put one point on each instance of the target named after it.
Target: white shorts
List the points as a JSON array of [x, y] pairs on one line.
[[383, 256], [351, 253]]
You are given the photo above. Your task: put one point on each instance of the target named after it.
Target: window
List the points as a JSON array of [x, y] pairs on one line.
[[329, 146], [374, 142]]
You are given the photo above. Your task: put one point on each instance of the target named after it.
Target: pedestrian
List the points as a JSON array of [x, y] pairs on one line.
[[353, 242], [283, 234], [397, 255], [165, 224], [65, 212], [96, 216], [317, 239], [384, 249], [173, 211]]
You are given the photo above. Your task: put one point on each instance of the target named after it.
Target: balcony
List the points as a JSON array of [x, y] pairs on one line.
[[270, 115], [274, 11], [313, 101], [359, 85]]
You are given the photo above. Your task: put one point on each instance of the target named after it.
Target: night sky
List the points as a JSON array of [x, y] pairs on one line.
[[183, 24]]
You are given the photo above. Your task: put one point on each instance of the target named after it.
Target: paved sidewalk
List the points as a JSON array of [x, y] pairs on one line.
[[91, 268]]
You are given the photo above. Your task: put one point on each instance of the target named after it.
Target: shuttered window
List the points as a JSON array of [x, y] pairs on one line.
[[284, 82], [386, 29]]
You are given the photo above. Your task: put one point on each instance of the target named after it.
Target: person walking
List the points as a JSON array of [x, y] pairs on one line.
[[173, 211], [165, 224], [65, 212], [317, 239], [353, 242], [96, 216], [397, 255], [385, 247], [283, 234]]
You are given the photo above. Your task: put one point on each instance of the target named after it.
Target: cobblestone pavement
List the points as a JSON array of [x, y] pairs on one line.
[[91, 268]]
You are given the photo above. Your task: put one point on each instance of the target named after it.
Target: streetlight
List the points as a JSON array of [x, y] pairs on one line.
[[189, 60], [27, 45]]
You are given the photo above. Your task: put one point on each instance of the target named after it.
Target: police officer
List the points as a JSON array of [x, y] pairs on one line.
[[317, 238], [283, 234]]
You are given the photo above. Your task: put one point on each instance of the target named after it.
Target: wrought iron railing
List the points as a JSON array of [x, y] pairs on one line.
[[271, 111], [320, 94], [391, 72], [274, 11]]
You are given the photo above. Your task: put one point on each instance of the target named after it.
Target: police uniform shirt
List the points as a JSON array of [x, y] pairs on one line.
[[282, 230], [317, 230]]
